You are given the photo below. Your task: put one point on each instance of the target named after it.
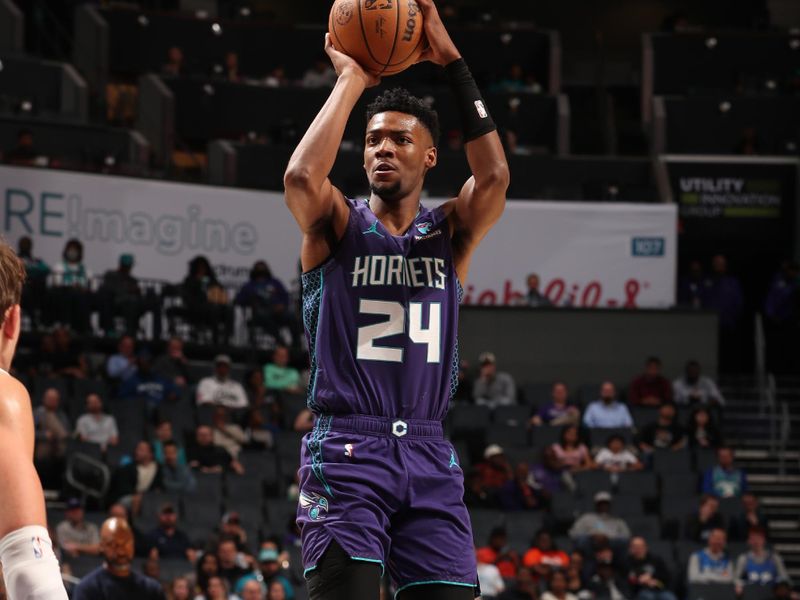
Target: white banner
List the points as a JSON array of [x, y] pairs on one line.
[[586, 254]]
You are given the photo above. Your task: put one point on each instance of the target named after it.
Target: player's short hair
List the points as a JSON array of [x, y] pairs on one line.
[[12, 276], [401, 100]]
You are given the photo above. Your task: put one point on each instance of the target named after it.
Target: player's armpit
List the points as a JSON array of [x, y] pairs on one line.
[[22, 500]]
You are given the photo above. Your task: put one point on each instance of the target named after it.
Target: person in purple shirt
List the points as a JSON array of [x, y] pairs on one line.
[[557, 412], [382, 280], [723, 293]]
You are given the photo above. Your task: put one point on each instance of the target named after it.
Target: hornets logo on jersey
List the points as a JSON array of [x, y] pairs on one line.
[[316, 505]]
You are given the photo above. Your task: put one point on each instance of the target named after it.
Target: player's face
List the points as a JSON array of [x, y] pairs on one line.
[[398, 151]]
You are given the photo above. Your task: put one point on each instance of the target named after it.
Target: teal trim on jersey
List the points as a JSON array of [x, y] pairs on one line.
[[314, 445], [308, 570], [370, 560], [408, 585], [312, 304]]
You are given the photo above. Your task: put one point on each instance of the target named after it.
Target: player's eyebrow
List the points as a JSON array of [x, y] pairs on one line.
[[392, 131]]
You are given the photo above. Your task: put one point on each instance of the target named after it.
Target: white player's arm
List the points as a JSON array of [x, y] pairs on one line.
[[22, 500], [482, 198], [316, 204]]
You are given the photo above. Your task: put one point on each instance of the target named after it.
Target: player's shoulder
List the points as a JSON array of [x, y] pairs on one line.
[[14, 397]]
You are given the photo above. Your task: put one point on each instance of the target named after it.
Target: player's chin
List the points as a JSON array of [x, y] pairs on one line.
[[386, 190]]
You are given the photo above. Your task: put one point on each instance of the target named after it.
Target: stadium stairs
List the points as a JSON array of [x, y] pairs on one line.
[[770, 454]]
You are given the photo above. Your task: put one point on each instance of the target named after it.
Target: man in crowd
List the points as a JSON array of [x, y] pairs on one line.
[[650, 388], [278, 375], [227, 435], [557, 412], [600, 522], [534, 298], [607, 412], [219, 388], [206, 457], [176, 476], [724, 480], [173, 365], [498, 553], [120, 296], [75, 535], [751, 516], [95, 426], [493, 388], [648, 576], [229, 567], [712, 564], [699, 525], [166, 539], [116, 580], [664, 433], [122, 365], [145, 383], [695, 388], [132, 480], [759, 565], [494, 470], [52, 427]]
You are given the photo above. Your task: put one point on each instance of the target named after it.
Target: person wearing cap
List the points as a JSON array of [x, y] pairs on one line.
[[600, 522], [166, 540], [493, 388], [494, 470], [219, 388], [75, 535], [497, 552], [269, 567]]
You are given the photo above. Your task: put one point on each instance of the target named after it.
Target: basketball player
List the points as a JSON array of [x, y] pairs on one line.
[[30, 567], [383, 277]]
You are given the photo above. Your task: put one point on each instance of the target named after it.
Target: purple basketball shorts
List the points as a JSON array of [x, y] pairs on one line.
[[389, 491]]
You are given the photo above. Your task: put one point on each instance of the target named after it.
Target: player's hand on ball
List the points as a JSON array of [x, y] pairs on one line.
[[343, 64], [441, 50]]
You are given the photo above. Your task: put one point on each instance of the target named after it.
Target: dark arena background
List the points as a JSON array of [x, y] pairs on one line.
[[648, 256]]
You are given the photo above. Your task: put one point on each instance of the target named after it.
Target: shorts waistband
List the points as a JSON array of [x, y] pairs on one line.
[[414, 429]]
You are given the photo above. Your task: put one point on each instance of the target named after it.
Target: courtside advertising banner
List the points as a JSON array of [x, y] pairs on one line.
[[586, 254]]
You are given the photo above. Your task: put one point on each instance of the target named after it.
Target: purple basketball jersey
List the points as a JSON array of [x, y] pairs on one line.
[[381, 318]]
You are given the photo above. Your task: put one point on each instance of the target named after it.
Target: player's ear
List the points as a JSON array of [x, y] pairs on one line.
[[431, 157], [12, 322]]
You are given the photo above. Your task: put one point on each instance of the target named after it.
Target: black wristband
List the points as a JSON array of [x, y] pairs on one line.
[[475, 118]]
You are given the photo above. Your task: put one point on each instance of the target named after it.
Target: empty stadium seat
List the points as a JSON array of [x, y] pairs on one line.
[[545, 435], [591, 482], [522, 527], [243, 488], [711, 591], [483, 521], [279, 511], [512, 416], [676, 463], [468, 417], [756, 592], [646, 526], [209, 487], [507, 435], [641, 483], [535, 394]]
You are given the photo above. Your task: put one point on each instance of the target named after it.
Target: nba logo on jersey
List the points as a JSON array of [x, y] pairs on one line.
[[481, 109], [38, 552]]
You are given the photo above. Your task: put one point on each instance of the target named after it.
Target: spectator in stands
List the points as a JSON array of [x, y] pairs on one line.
[[782, 313], [699, 525], [516, 80], [648, 575], [255, 389], [711, 564], [52, 427], [120, 296], [205, 301], [232, 67], [269, 567], [122, 364], [703, 432], [231, 568], [665, 433], [230, 527], [321, 75], [267, 298], [166, 540], [176, 476], [121, 512], [61, 356], [217, 588], [548, 474], [172, 365], [574, 573], [534, 298], [180, 589], [276, 78], [751, 516], [691, 288], [525, 587], [25, 153], [490, 580], [76, 536], [227, 435], [95, 426], [258, 431], [723, 294], [557, 411], [517, 493], [758, 566], [607, 581], [209, 458], [557, 588], [146, 384], [278, 375], [164, 434], [174, 65], [571, 452], [695, 388], [783, 591], [724, 480], [254, 590], [498, 553], [543, 557], [607, 412], [206, 568], [494, 470], [135, 478], [72, 297], [34, 288], [616, 458], [219, 388], [600, 522], [493, 388], [475, 495], [115, 579], [650, 388]]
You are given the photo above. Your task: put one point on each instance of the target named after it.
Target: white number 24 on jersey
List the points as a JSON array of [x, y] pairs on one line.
[[395, 324]]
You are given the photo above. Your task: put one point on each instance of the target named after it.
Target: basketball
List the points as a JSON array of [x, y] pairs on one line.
[[384, 36]]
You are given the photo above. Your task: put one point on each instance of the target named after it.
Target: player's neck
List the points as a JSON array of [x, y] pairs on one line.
[[398, 215]]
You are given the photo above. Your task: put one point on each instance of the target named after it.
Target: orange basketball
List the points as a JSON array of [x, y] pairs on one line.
[[384, 36]]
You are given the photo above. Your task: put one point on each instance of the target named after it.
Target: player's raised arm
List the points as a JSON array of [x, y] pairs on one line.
[[482, 199], [309, 194]]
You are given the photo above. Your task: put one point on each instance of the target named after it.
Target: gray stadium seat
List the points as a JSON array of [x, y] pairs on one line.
[[676, 484], [466, 417], [545, 435], [646, 526], [598, 436], [521, 527], [483, 521], [564, 506], [513, 416], [704, 459], [209, 487], [673, 462], [627, 506], [83, 565], [244, 488], [507, 435], [535, 394], [756, 592], [642, 415], [174, 567], [641, 483], [591, 482], [711, 591], [279, 511]]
